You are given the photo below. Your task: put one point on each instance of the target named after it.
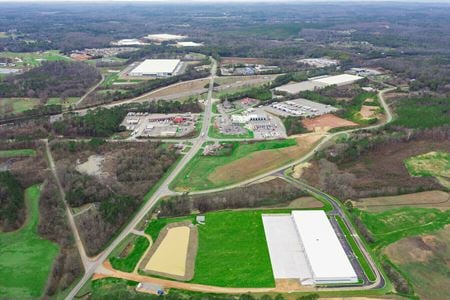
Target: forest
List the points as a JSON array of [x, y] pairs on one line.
[[53, 79]]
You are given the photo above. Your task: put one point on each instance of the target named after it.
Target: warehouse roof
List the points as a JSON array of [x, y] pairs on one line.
[[155, 66], [325, 254], [337, 79]]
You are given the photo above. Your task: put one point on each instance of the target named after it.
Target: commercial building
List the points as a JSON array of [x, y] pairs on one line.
[[157, 68], [303, 245], [338, 80], [164, 37], [316, 83]]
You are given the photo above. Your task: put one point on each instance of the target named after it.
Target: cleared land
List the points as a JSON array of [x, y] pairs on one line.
[[19, 105], [26, 258], [326, 122], [17, 153], [170, 256], [428, 199], [241, 60], [432, 164], [245, 161], [425, 261], [127, 255], [33, 59]]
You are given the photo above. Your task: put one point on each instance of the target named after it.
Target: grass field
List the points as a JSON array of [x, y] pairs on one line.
[[17, 152], [390, 226], [432, 164], [33, 59], [195, 175], [19, 105], [26, 258], [127, 255], [422, 112], [356, 250], [424, 261], [232, 249]]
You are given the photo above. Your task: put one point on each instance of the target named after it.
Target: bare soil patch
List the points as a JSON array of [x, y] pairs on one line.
[[181, 88], [93, 166], [262, 161], [428, 199], [368, 112], [173, 253], [326, 122]]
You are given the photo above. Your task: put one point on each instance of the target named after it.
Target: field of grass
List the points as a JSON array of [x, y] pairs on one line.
[[34, 59], [195, 174], [19, 105], [17, 152], [357, 251], [432, 164], [390, 226], [26, 258], [424, 260], [422, 112], [232, 248], [127, 261]]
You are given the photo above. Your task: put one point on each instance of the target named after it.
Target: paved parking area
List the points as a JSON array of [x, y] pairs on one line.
[[299, 108]]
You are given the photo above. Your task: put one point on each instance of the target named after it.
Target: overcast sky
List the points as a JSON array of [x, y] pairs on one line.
[[222, 1]]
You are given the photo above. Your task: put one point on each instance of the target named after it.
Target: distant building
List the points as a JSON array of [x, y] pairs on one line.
[[200, 219], [156, 68]]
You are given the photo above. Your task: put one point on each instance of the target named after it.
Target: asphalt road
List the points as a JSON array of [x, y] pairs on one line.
[[91, 264]]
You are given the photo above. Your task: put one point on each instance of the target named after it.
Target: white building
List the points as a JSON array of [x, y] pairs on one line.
[[304, 245], [157, 68], [164, 37], [338, 80]]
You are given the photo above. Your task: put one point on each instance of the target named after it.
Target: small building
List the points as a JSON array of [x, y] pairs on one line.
[[200, 219]]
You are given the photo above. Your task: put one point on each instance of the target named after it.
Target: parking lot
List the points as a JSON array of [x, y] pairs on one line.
[[299, 108]]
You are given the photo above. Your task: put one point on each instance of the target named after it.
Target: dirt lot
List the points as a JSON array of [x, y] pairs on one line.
[[181, 88], [326, 122], [262, 161], [241, 60], [368, 112], [429, 199]]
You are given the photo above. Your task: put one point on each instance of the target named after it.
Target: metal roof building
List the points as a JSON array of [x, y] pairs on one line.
[[157, 68], [303, 245]]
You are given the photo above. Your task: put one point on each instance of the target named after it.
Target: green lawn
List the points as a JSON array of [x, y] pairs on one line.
[[17, 152], [429, 165], [232, 248], [19, 105], [356, 250], [34, 59], [25, 258], [422, 112], [392, 225], [233, 251], [194, 176], [127, 263]]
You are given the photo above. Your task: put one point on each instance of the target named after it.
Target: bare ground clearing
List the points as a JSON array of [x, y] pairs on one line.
[[326, 122]]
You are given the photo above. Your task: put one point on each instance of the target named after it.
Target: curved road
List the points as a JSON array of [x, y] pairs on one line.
[[92, 264]]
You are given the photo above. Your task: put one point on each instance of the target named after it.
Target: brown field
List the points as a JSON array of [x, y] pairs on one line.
[[305, 202], [368, 112], [429, 199], [326, 122], [181, 88], [241, 60], [263, 161], [425, 260]]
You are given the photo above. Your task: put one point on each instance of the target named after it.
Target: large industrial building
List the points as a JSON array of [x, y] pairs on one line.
[[303, 245], [157, 68], [318, 83]]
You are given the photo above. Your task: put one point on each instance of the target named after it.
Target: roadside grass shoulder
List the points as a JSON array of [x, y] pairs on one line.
[[124, 259], [26, 258], [357, 251], [17, 153], [195, 174]]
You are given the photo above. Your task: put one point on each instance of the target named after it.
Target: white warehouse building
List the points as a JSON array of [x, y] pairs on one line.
[[157, 68], [303, 245]]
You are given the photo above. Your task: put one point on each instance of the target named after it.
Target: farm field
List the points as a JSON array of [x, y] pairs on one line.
[[428, 199], [33, 59], [26, 258], [17, 152], [246, 160], [424, 261], [432, 164]]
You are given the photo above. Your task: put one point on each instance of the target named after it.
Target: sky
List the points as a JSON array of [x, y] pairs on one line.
[[227, 1]]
